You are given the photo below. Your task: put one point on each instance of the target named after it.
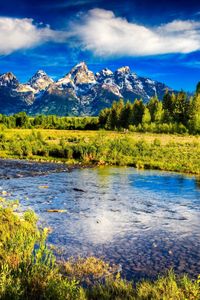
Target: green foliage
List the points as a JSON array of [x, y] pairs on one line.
[[195, 114], [27, 266], [180, 108], [21, 120], [165, 288], [113, 289], [168, 106], [138, 111], [198, 88], [176, 113], [152, 106], [146, 118], [169, 287], [159, 113], [107, 148]]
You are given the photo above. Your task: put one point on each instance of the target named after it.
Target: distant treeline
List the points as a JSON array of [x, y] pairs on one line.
[[176, 113], [22, 120]]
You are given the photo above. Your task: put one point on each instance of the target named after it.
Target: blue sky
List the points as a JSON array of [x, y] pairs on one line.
[[157, 39]]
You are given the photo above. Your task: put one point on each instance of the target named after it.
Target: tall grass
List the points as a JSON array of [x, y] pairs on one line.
[[164, 152]]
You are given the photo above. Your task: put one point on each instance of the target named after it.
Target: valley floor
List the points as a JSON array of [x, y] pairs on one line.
[[178, 153]]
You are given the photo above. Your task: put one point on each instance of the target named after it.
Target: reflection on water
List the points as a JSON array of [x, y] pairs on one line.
[[146, 220]]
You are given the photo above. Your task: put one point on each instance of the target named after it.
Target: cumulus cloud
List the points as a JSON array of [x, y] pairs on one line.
[[18, 34], [105, 34]]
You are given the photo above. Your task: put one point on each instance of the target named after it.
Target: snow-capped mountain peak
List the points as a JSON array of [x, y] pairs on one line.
[[106, 72], [80, 66], [124, 70], [8, 79], [80, 74], [40, 73], [40, 81], [79, 92]]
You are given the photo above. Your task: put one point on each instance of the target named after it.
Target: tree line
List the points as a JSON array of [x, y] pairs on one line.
[[175, 113], [22, 120]]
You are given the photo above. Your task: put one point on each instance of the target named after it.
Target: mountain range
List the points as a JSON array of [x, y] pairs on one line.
[[79, 92]]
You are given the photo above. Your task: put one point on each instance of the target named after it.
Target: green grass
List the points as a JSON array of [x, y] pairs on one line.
[[29, 270], [141, 150]]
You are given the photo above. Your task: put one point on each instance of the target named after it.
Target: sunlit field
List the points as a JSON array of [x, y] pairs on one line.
[[142, 150]]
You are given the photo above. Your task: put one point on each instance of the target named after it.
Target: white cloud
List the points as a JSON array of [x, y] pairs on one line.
[[180, 26], [105, 34], [18, 34]]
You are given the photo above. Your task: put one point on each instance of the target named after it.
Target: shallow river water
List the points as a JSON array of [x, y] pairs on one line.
[[146, 221]]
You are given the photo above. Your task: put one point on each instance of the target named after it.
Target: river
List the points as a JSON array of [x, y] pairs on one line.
[[146, 221]]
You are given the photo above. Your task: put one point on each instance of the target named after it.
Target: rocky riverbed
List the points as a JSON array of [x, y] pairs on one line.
[[11, 168], [144, 221]]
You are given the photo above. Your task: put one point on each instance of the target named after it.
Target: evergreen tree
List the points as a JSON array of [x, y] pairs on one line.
[[168, 106], [126, 115], [119, 110], [103, 117], [194, 112], [21, 119], [152, 106], [146, 118], [138, 111], [198, 88], [159, 113], [180, 108], [114, 117]]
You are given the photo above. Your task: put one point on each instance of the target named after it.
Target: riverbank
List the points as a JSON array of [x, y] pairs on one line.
[[167, 152]]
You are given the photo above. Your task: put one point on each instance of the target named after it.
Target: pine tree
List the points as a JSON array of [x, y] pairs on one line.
[[146, 118], [152, 106], [114, 115], [21, 119], [198, 88], [194, 116], [138, 111], [159, 113], [180, 108], [127, 115], [103, 116], [168, 106]]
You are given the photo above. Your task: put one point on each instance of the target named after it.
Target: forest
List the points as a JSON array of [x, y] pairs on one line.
[[176, 113]]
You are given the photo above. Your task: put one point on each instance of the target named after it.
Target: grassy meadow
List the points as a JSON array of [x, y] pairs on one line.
[[169, 152]]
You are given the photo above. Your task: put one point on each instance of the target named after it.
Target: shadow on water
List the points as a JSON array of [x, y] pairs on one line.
[[147, 221]]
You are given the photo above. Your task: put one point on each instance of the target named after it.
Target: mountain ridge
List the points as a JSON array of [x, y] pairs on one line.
[[79, 92]]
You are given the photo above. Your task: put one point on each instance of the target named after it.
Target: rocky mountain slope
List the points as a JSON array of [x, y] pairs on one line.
[[80, 92]]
